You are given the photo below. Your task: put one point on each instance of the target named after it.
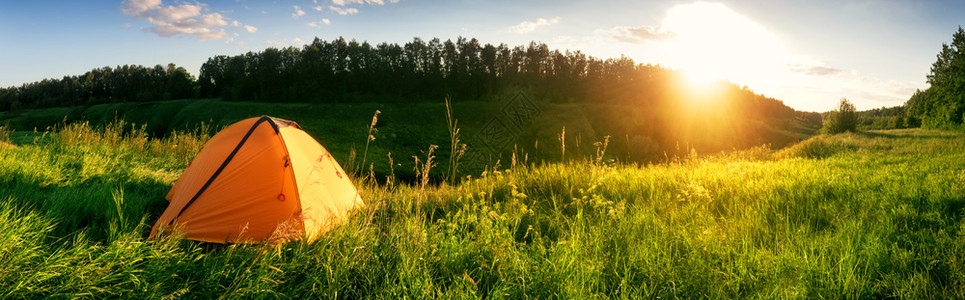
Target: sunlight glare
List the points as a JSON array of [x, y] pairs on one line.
[[697, 80], [714, 42]]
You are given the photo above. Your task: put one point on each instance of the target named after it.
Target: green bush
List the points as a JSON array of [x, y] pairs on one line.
[[842, 119]]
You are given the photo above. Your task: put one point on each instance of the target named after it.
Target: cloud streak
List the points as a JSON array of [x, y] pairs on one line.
[[298, 12], [180, 19], [286, 42], [530, 26], [344, 11], [338, 6], [375, 2], [639, 34], [319, 24], [813, 70]]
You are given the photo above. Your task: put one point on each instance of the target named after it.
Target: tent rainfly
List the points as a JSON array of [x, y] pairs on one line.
[[256, 177]]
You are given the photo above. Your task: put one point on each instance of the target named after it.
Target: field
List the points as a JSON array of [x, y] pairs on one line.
[[408, 129], [860, 215]]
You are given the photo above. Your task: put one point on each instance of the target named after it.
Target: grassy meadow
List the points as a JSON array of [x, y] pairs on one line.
[[407, 129], [860, 215]]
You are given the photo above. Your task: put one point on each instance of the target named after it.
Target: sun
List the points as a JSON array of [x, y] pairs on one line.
[[699, 81], [712, 42], [700, 89]]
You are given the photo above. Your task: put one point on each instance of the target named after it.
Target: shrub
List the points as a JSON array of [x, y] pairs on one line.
[[844, 118], [821, 146]]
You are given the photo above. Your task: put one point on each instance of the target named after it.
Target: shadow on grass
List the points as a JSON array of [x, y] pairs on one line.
[[89, 206], [21, 138]]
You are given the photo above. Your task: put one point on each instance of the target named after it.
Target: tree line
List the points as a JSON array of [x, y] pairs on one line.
[[649, 100], [343, 70], [126, 83], [883, 118], [942, 105], [465, 69]]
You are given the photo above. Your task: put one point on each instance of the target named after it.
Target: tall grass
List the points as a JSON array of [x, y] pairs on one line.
[[873, 215], [369, 138], [5, 140], [456, 148]]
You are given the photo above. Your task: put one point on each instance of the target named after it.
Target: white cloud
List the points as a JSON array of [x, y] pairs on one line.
[[213, 20], [812, 69], [530, 26], [202, 33], [344, 11], [638, 34], [319, 24], [376, 2], [251, 29], [338, 4], [821, 93], [128, 7], [318, 8], [179, 19], [286, 42], [298, 12], [178, 13]]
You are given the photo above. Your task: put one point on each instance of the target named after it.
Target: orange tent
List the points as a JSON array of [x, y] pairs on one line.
[[256, 176]]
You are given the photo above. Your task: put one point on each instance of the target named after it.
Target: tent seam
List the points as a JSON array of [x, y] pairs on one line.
[[225, 163]]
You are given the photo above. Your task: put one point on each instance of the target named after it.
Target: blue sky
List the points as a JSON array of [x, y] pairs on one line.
[[807, 53]]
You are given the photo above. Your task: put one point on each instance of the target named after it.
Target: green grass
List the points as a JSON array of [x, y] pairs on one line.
[[858, 215], [407, 129]]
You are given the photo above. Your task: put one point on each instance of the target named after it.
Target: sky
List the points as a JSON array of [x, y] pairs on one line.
[[809, 54]]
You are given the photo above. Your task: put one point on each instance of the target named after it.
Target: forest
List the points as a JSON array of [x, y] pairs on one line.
[[128, 83], [349, 71], [942, 106]]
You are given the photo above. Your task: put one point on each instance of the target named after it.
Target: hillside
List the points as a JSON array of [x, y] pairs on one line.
[[491, 129], [863, 215], [507, 99]]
